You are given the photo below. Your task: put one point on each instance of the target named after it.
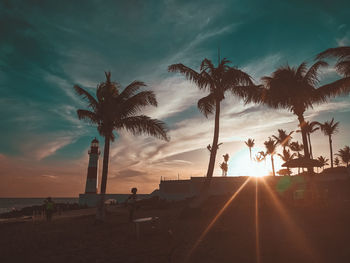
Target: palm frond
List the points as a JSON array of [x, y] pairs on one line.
[[338, 87], [343, 67], [131, 89], [206, 105], [88, 116], [142, 124], [189, 73], [311, 76], [87, 96], [136, 103], [233, 78], [207, 65], [251, 93], [339, 52], [302, 69]]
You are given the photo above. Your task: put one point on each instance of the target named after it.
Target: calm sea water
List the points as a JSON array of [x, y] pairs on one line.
[[7, 204]]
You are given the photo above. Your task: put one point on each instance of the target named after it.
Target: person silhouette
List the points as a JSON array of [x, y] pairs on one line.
[[131, 203]]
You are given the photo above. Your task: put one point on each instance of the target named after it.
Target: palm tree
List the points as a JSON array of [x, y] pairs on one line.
[[336, 161], [296, 147], [286, 157], [217, 81], [296, 89], [113, 109], [310, 127], [344, 154], [329, 128], [226, 157], [323, 160], [250, 143], [343, 55], [224, 168], [283, 138], [224, 165], [271, 150], [262, 156]]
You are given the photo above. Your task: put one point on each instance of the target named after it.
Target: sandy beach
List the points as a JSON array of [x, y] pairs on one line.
[[287, 232]]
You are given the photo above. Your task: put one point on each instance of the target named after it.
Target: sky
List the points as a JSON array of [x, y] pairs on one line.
[[46, 47]]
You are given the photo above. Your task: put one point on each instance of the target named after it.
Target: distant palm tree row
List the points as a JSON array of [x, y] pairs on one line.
[[283, 139], [292, 88]]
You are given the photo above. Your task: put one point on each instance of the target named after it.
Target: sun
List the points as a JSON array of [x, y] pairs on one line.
[[258, 169], [241, 165]]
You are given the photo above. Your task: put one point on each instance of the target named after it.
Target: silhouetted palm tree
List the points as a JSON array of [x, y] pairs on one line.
[[283, 138], [113, 109], [296, 89], [224, 165], [329, 128], [226, 157], [217, 81], [271, 150], [296, 147], [344, 154], [343, 55], [250, 143], [262, 156], [323, 160], [286, 157], [224, 168], [310, 127], [336, 161]]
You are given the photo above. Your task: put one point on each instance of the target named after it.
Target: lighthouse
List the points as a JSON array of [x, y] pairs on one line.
[[91, 179]]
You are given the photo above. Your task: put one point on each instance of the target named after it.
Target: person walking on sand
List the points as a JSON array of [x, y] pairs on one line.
[[131, 203], [49, 208]]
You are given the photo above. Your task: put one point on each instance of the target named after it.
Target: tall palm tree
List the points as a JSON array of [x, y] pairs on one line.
[[296, 89], [217, 81], [323, 160], [329, 128], [113, 109], [344, 154], [283, 138], [286, 157], [343, 55], [310, 127], [250, 143], [271, 150]]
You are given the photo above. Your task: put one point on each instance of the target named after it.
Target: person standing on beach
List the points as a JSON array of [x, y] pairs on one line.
[[131, 203], [49, 208]]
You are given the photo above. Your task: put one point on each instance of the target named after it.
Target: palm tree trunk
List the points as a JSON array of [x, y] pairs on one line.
[[105, 165], [273, 166], [309, 137], [304, 136], [215, 143], [331, 150], [305, 141], [100, 207], [250, 153]]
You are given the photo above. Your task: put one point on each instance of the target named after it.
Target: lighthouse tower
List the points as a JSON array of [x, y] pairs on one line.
[[91, 180]]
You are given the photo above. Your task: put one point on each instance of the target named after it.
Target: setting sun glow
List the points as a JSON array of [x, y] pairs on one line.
[[241, 165]]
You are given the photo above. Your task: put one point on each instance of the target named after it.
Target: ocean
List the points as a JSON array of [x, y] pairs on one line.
[[7, 204]]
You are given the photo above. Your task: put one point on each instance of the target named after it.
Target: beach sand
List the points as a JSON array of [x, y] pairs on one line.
[[303, 232]]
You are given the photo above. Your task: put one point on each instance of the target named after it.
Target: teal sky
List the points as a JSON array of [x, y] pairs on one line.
[[48, 46]]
